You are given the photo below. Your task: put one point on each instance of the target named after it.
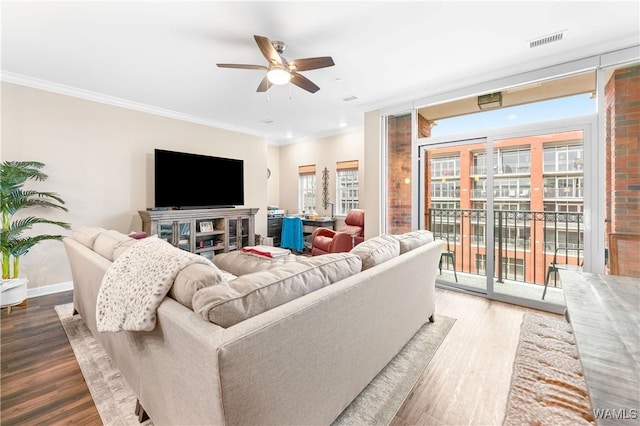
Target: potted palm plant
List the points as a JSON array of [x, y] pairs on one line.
[[13, 241]]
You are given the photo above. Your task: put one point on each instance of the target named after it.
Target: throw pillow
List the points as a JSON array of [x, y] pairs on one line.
[[239, 263], [193, 278], [138, 235], [123, 246], [107, 241], [251, 294], [86, 235], [377, 250], [411, 240]]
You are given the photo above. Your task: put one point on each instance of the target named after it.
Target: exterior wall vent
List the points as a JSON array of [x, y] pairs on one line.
[[546, 39]]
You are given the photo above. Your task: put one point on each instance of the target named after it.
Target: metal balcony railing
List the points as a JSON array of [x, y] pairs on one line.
[[501, 193], [563, 192], [504, 169], [445, 173], [524, 240], [445, 194]]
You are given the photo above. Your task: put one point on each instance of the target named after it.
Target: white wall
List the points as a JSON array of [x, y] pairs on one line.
[[325, 152], [100, 160], [273, 183], [372, 194]]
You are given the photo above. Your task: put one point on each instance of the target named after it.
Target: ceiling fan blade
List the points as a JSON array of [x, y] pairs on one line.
[[243, 66], [311, 63], [268, 50], [303, 82], [264, 85]]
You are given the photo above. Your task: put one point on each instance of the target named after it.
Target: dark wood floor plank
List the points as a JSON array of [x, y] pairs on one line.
[[41, 382]]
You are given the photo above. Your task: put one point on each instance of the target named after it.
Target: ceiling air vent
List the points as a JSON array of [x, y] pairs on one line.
[[350, 98], [546, 39]]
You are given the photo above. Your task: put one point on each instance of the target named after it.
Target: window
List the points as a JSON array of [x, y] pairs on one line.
[[563, 158], [455, 205], [347, 187], [446, 189], [563, 187], [512, 206], [445, 166], [480, 163], [307, 188], [511, 188], [513, 161], [564, 207], [513, 268]]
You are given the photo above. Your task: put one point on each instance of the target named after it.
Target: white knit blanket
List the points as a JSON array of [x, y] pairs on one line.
[[136, 283]]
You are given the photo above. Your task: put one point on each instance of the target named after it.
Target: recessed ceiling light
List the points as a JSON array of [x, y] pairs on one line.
[[342, 124], [289, 135], [350, 98], [267, 121]]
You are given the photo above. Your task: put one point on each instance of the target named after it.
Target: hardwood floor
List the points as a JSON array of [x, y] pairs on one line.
[[466, 382], [41, 382]]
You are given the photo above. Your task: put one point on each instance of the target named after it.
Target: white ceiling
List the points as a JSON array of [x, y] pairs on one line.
[[161, 56]]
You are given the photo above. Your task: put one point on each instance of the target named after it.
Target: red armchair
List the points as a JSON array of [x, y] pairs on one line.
[[325, 240]]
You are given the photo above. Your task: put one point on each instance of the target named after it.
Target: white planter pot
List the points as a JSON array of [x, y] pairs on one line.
[[13, 292]]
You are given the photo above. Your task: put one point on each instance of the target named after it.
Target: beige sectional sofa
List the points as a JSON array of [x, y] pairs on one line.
[[264, 341]]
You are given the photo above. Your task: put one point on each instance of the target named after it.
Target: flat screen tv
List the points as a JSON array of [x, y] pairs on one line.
[[187, 181]]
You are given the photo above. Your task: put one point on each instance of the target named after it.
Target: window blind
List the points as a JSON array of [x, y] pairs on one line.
[[307, 170], [347, 165]]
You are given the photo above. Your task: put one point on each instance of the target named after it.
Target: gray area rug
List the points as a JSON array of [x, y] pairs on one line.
[[377, 404], [547, 384]]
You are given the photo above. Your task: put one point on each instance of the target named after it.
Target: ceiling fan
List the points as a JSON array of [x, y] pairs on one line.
[[281, 71]]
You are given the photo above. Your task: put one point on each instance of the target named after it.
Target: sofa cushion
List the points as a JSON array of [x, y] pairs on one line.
[[239, 263], [411, 240], [123, 246], [377, 250], [86, 235], [107, 241], [193, 278], [252, 294]]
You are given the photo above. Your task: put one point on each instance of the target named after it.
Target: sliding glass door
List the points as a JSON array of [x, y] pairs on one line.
[[509, 207], [538, 212], [521, 176], [448, 194]]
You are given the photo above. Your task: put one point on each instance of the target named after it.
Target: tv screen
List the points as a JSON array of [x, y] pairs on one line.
[[185, 180]]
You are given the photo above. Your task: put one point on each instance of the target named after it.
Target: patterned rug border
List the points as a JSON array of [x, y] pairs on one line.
[[377, 404]]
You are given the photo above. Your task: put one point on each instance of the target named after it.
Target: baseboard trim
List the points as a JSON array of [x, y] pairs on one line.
[[49, 289]]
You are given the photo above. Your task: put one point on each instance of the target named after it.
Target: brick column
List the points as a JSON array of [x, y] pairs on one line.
[[622, 186], [399, 170], [399, 174], [623, 151]]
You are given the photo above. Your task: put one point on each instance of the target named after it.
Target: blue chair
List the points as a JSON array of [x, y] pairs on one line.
[[292, 233]]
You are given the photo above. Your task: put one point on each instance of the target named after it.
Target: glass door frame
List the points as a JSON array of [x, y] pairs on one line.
[[444, 142], [594, 252], [594, 139]]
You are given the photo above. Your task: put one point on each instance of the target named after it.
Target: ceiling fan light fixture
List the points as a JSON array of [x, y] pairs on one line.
[[279, 70], [278, 75]]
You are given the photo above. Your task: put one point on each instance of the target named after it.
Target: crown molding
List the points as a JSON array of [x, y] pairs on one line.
[[62, 89]]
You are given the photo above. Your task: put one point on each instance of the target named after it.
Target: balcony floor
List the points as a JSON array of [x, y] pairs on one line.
[[508, 287]]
